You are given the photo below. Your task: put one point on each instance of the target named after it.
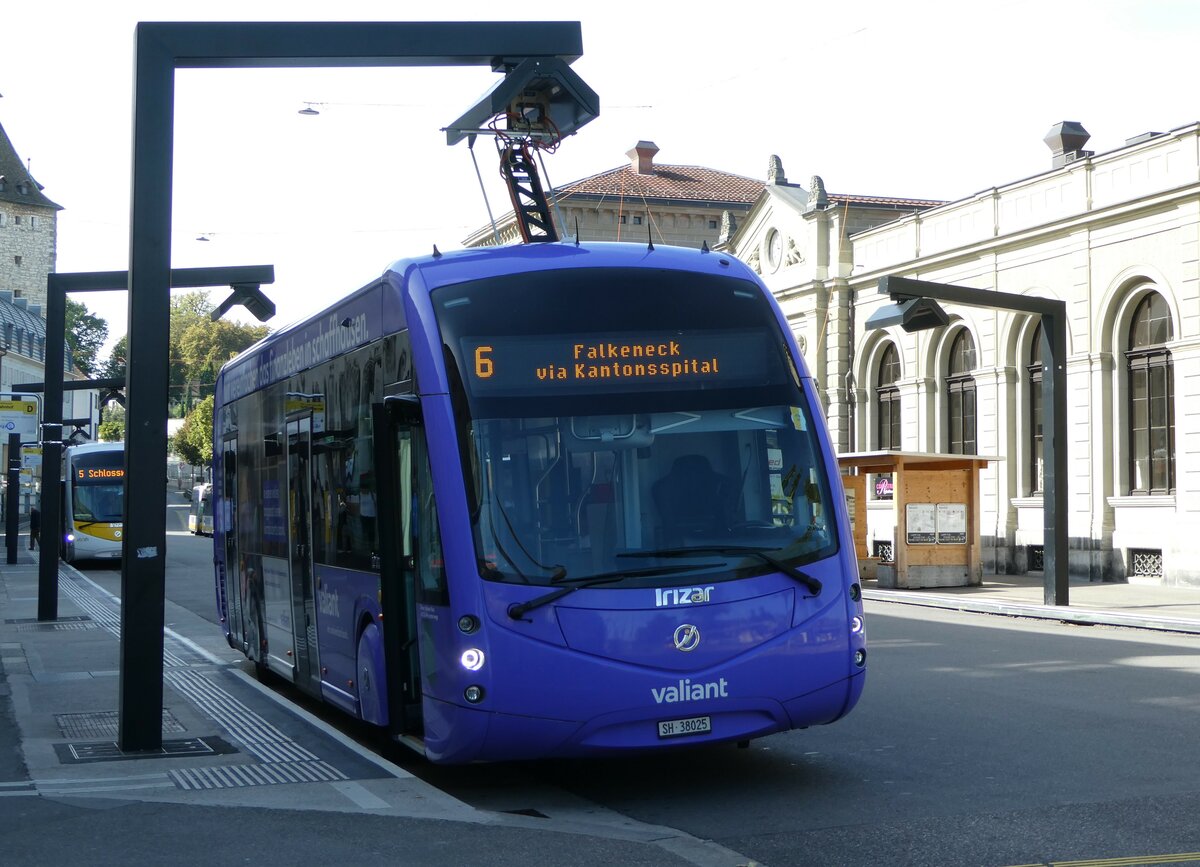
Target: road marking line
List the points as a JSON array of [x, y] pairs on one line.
[[1130, 861], [359, 794]]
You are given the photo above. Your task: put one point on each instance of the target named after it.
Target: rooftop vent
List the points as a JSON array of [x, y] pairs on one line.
[[642, 157], [1066, 141]]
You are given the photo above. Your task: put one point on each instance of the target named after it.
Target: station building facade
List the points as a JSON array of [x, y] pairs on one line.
[[1114, 235]]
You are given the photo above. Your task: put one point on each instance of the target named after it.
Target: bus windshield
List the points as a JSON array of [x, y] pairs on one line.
[[98, 492], [677, 421]]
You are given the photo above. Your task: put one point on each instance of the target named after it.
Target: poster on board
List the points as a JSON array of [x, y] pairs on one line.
[[952, 523], [920, 523]]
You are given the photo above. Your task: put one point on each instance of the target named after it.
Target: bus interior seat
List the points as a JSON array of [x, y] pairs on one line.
[[692, 499]]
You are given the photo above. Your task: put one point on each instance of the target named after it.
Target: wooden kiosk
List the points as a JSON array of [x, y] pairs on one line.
[[935, 507]]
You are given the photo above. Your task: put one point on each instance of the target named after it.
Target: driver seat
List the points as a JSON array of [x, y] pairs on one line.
[[693, 500]]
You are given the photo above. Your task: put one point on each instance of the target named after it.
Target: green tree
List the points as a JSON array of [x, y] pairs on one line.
[[86, 333], [118, 357], [187, 310], [112, 429], [205, 346], [198, 347], [194, 440]]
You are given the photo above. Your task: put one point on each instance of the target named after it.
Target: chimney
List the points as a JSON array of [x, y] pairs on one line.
[[1066, 141], [642, 157]]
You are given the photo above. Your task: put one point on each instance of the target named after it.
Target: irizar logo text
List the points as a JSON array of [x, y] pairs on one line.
[[685, 690], [681, 595]]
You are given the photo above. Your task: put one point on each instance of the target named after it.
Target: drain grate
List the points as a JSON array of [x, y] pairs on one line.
[[104, 724], [32, 624], [109, 751]]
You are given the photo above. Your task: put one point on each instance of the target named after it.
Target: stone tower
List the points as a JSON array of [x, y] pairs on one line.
[[28, 230]]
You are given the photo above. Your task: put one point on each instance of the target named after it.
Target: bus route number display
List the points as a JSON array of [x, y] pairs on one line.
[[99, 474], [628, 362]]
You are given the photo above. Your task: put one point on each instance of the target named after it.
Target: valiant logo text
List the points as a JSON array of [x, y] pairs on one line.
[[681, 595], [328, 601], [685, 690]]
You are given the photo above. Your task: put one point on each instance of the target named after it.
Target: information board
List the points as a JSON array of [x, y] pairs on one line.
[[19, 415], [952, 523], [920, 523]]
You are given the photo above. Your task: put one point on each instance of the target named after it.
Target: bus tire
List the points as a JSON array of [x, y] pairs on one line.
[[372, 691]]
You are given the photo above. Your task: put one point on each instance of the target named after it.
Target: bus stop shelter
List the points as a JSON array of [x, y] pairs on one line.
[[935, 513]]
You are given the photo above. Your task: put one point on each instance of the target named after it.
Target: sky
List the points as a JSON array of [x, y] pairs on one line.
[[920, 99]]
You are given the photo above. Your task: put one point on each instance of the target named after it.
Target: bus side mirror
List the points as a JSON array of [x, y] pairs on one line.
[[403, 408]]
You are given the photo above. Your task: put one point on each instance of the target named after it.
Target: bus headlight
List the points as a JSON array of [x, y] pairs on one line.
[[856, 625], [472, 659], [860, 657], [473, 694]]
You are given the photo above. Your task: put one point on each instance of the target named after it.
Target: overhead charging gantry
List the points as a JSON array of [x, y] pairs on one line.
[[539, 101], [533, 55]]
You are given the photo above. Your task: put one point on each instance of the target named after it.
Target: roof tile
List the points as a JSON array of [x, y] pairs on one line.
[[683, 183]]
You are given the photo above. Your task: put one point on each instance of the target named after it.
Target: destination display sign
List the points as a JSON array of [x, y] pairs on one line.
[[99, 474], [518, 364]]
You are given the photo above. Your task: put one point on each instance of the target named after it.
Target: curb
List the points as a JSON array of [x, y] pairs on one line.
[[1063, 614]]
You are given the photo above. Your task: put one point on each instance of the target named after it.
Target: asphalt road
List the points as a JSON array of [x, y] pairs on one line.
[[979, 740]]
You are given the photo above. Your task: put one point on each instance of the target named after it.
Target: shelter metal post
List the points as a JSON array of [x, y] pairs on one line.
[[1054, 384], [161, 47]]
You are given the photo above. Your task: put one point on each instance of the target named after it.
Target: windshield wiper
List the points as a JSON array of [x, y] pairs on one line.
[[813, 585], [519, 609]]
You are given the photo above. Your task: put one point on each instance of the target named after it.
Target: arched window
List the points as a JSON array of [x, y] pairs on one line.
[[960, 395], [1151, 395], [888, 398], [1037, 467]]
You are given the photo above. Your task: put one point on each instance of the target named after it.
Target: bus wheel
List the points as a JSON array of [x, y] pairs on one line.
[[372, 692]]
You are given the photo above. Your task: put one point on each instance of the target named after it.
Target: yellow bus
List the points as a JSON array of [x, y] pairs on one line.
[[200, 519], [93, 501]]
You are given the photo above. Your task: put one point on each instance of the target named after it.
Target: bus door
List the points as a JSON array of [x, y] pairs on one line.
[[233, 587], [304, 613], [396, 431]]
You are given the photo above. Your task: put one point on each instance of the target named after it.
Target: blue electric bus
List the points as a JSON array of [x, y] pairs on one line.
[[550, 500]]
